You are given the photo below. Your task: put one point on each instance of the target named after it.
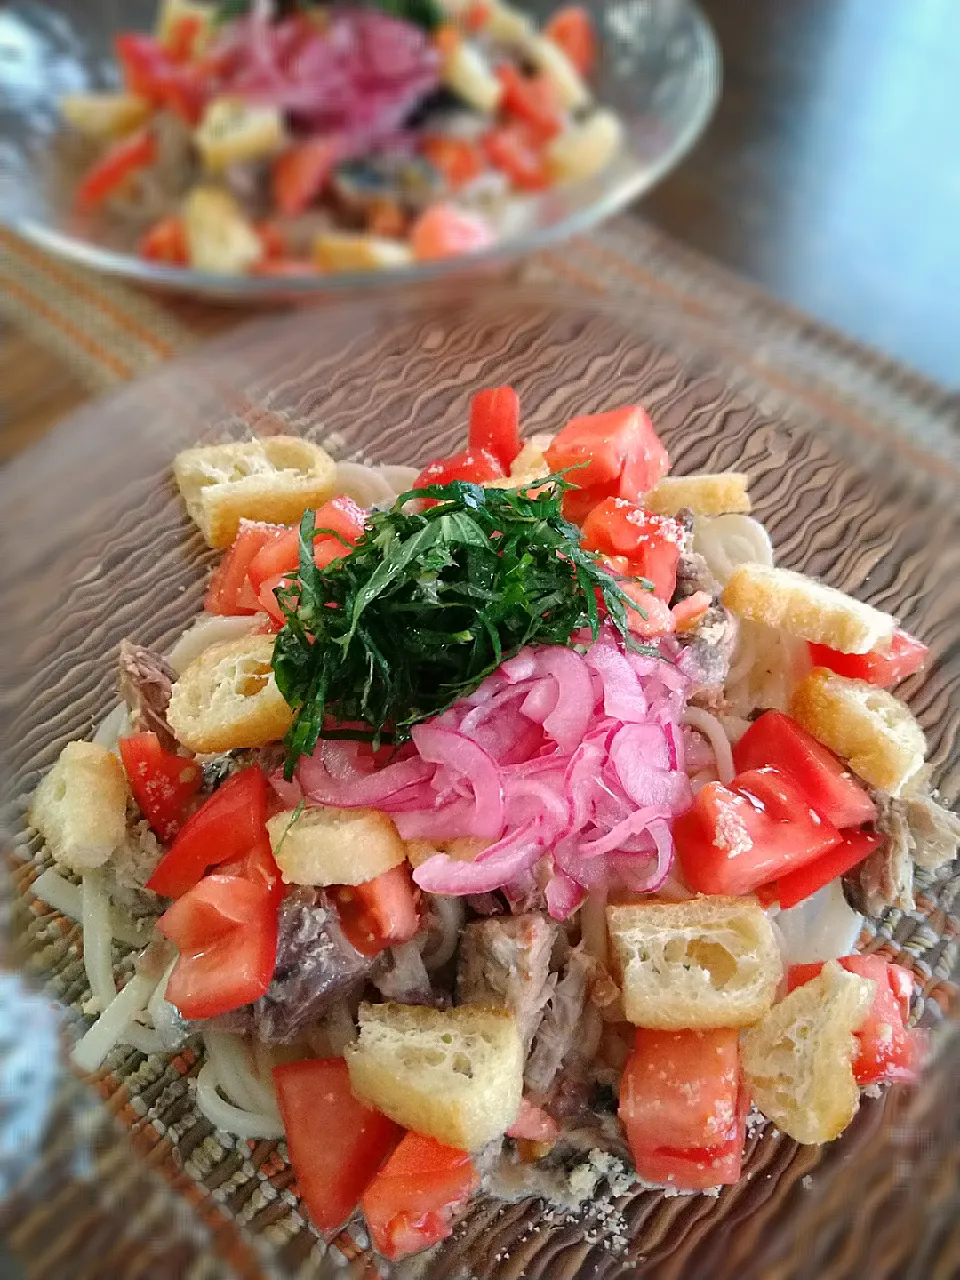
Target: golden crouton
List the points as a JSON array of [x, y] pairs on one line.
[[705, 495], [228, 698], [325, 846], [80, 806], [868, 727]]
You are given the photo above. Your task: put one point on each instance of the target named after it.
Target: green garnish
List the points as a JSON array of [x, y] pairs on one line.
[[422, 13], [427, 606]]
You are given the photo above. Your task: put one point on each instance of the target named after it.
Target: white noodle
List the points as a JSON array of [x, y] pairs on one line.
[[712, 730], [593, 924], [109, 1028], [207, 630], [340, 1028], [236, 1076], [50, 887], [374, 486], [97, 939], [146, 1039], [451, 913], [165, 1016], [113, 726], [223, 1114], [731, 540]]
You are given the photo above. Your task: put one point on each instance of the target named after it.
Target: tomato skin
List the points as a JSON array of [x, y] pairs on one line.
[[905, 656], [411, 1202], [336, 1143], [150, 71], [443, 231], [829, 787], [163, 783], [229, 593], [281, 555], [166, 241], [573, 30], [888, 1050], [225, 929], [300, 173], [651, 544], [118, 162], [229, 825], [258, 865], [737, 838], [683, 1107], [617, 454], [799, 885], [475, 465], [495, 425], [457, 159], [512, 149], [533, 100], [381, 912]]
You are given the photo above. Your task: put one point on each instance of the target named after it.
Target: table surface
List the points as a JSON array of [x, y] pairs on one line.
[[828, 176]]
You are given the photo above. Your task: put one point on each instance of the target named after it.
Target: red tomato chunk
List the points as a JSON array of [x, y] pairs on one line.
[[799, 885], [164, 784], [827, 785], [336, 1144], [495, 425], [650, 544], [225, 929], [379, 913], [739, 837], [902, 658], [229, 825], [616, 455], [683, 1107], [413, 1200]]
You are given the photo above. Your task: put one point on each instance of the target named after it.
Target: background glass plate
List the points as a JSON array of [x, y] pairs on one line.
[[660, 71], [97, 546]]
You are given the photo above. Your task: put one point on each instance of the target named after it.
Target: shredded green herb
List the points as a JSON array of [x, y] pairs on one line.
[[422, 13], [428, 605]]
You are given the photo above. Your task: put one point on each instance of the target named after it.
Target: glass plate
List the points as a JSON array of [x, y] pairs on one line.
[[660, 71], [97, 547]]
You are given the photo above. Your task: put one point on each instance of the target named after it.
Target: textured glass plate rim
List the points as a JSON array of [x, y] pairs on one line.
[[88, 254]]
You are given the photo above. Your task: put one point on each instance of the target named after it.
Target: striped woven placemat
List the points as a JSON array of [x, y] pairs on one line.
[[97, 1205]]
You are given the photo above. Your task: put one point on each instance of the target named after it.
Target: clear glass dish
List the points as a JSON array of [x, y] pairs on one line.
[[97, 546], [659, 70]]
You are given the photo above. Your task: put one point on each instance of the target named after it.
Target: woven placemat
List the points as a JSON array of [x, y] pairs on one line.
[[103, 1205]]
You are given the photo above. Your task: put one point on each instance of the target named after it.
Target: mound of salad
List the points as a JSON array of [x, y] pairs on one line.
[[280, 138], [501, 827]]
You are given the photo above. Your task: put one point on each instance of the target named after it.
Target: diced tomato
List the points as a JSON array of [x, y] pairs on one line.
[[652, 617], [688, 612], [381, 912], [166, 241], [683, 1107], [738, 837], [573, 30], [300, 173], [258, 865], [229, 591], [225, 929], [163, 783], [447, 38], [533, 100], [829, 787], [888, 1050], [340, 516], [336, 1144], [616, 455], [151, 72], [495, 424], [651, 544], [229, 825], [118, 162], [442, 231], [412, 1201], [534, 1124], [797, 886], [904, 656], [579, 502], [474, 465], [458, 159], [183, 35], [513, 150], [272, 241], [476, 16]]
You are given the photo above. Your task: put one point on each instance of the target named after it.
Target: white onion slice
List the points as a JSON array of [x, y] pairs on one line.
[[822, 928]]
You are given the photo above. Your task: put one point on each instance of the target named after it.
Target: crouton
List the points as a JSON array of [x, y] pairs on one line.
[[219, 236], [798, 1061], [228, 698], [806, 608], [80, 806], [455, 1075], [704, 495], [708, 962], [324, 845], [273, 480], [868, 727], [347, 251]]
